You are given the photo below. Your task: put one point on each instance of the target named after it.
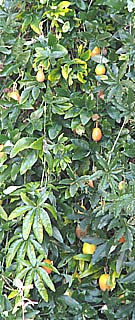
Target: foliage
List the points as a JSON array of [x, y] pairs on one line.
[[53, 176]]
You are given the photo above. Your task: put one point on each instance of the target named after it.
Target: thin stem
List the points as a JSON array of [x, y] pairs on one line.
[[23, 316], [130, 32], [90, 4], [44, 147], [115, 142]]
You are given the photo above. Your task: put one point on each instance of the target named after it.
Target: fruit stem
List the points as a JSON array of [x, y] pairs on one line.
[[14, 86], [40, 67], [96, 124]]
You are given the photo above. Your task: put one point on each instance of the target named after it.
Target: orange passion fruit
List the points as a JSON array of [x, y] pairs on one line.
[[40, 76], [103, 282], [88, 248], [14, 95], [95, 51], [96, 134], [1, 147], [122, 239], [100, 69]]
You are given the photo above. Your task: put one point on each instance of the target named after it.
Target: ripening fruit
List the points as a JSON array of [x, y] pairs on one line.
[[100, 69], [80, 233], [91, 183], [103, 282], [122, 296], [96, 134], [122, 239], [40, 77], [95, 51], [88, 248], [48, 270], [1, 154], [122, 185], [1, 147], [14, 95], [101, 95]]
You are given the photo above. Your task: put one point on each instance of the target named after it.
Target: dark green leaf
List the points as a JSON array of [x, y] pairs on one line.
[[38, 228], [40, 287], [31, 254], [21, 144], [18, 212], [45, 219], [28, 161], [27, 223], [44, 275], [3, 214], [12, 251]]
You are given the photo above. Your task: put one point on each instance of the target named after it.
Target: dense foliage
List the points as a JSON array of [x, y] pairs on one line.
[[60, 185]]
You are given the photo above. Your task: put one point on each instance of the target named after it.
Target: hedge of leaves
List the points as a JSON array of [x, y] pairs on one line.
[[58, 187]]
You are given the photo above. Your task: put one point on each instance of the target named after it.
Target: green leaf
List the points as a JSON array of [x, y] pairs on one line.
[[103, 162], [28, 161], [82, 257], [99, 253], [22, 251], [36, 115], [54, 75], [22, 273], [55, 130], [129, 278], [31, 254], [65, 71], [40, 287], [96, 175], [35, 93], [3, 214], [45, 219], [12, 251], [80, 77], [64, 4], [26, 200], [51, 209], [128, 244], [26, 22], [58, 51], [66, 26], [35, 26], [38, 228], [42, 53], [73, 189], [57, 235], [80, 4], [120, 262], [85, 116], [11, 189], [86, 55], [44, 275], [18, 212], [122, 70], [28, 281], [38, 247], [131, 5], [13, 294], [21, 144], [25, 95], [27, 223], [37, 144], [71, 302]]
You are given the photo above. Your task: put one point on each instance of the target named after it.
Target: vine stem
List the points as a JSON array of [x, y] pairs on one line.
[[115, 142], [44, 145]]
